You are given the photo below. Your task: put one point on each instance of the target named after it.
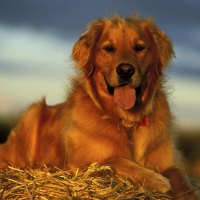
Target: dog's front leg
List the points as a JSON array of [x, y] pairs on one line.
[[162, 159], [182, 189], [146, 178]]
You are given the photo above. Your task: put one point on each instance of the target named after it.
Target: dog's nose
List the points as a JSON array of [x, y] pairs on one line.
[[125, 71]]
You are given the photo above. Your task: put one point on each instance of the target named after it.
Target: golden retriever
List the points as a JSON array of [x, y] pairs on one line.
[[117, 112]]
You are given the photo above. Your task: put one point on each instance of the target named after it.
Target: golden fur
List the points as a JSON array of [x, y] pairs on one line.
[[90, 127]]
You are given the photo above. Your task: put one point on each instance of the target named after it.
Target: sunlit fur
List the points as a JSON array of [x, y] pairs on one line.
[[89, 127]]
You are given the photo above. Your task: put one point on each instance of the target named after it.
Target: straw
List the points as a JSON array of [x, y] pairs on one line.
[[93, 183]]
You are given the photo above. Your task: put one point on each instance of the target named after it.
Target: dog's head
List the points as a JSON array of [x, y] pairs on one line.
[[128, 54]]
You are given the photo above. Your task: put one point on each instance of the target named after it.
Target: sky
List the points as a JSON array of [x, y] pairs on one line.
[[36, 38]]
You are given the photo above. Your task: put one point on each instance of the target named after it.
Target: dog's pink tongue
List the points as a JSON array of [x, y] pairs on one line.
[[125, 97]]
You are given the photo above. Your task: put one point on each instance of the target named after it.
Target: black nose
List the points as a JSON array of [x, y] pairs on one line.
[[125, 71]]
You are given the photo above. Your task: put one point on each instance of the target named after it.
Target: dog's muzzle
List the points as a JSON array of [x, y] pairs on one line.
[[124, 94], [125, 71]]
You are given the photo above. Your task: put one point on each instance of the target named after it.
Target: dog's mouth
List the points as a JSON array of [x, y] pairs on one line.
[[124, 94]]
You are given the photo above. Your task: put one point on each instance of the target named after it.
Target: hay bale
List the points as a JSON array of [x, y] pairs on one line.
[[93, 183]]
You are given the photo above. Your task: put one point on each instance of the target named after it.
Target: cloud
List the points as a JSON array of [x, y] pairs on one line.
[[187, 55], [186, 62], [32, 64], [19, 91], [26, 51], [66, 15], [186, 98]]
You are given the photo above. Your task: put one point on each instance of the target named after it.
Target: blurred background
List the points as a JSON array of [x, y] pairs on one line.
[[36, 38]]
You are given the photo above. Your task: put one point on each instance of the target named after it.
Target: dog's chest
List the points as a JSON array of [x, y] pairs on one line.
[[138, 143], [85, 148]]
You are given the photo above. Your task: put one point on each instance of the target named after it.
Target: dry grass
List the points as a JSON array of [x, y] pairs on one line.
[[95, 182]]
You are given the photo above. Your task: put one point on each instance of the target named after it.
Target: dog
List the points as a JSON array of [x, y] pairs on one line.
[[116, 114]]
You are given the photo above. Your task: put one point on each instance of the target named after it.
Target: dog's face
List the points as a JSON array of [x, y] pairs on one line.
[[128, 54], [123, 55]]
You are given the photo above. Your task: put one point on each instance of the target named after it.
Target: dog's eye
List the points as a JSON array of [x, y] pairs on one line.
[[139, 47], [109, 48]]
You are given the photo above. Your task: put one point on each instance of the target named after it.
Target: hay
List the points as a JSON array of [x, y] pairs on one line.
[[95, 182]]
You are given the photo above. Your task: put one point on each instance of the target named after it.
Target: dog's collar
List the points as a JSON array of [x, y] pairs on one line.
[[132, 124], [135, 125], [144, 122]]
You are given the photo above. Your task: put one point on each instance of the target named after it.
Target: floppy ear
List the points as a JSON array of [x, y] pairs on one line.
[[162, 53], [162, 44], [84, 49]]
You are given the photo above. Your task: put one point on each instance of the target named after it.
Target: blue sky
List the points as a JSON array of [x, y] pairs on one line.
[[36, 38]]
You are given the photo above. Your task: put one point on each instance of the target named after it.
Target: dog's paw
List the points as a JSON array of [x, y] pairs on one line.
[[157, 182], [187, 196]]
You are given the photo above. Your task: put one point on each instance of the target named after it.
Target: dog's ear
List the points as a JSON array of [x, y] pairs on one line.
[[84, 49], [161, 42], [162, 53]]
